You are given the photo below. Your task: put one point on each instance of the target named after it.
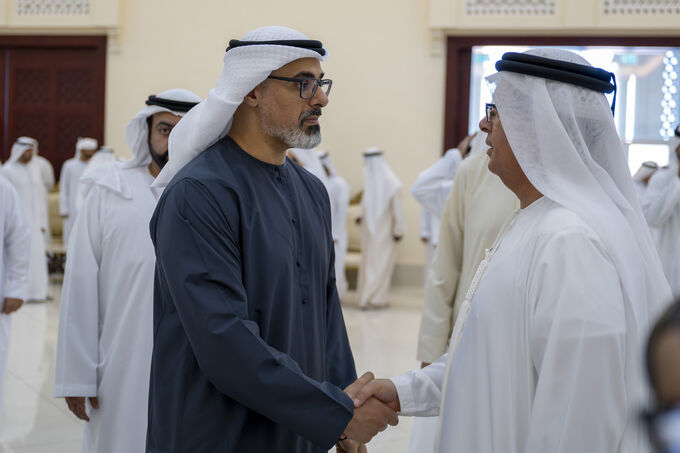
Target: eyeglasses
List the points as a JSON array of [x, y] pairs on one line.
[[491, 112], [308, 86]]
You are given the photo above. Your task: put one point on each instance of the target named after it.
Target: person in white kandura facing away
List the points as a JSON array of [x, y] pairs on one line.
[[24, 175], [382, 226], [338, 193], [661, 205], [71, 172], [547, 350], [106, 318], [431, 189], [14, 251]]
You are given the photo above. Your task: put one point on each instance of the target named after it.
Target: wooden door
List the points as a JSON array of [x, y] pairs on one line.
[[55, 93]]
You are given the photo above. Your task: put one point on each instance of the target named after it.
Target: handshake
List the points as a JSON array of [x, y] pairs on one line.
[[376, 404]]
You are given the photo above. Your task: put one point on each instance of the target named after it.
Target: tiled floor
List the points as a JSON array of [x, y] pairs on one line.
[[383, 341]]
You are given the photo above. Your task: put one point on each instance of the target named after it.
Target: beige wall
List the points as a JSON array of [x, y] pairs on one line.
[[387, 89], [386, 60]]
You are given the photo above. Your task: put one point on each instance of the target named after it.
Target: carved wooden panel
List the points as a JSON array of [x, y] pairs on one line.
[[33, 86], [36, 126], [56, 92], [69, 128], [74, 86]]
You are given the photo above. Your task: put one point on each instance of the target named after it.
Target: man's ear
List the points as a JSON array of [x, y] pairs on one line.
[[251, 99]]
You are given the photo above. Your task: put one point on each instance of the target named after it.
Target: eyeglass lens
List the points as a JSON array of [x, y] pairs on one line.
[[308, 87], [491, 112]]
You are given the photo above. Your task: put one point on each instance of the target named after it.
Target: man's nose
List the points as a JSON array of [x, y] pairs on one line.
[[485, 126], [320, 99]]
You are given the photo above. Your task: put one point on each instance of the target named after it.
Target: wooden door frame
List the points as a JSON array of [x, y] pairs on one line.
[[459, 65], [96, 43]]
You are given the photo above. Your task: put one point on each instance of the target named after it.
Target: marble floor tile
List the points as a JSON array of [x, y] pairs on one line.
[[383, 341]]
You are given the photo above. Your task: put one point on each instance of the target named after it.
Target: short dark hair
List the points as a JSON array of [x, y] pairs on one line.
[[669, 320]]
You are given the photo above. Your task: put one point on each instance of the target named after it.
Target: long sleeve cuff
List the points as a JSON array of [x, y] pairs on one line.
[[405, 392], [15, 289], [63, 390], [420, 391]]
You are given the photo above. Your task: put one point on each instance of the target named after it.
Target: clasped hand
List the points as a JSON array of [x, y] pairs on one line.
[[376, 404]]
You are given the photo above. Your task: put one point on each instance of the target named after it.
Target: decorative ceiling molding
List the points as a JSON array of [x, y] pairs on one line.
[[640, 7], [52, 7], [510, 7]]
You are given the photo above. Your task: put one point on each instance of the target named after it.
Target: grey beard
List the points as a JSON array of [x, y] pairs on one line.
[[296, 138]]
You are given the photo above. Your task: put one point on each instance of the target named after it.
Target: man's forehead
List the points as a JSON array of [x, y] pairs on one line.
[[167, 117], [302, 65]]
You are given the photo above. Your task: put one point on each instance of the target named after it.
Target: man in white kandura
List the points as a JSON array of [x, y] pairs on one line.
[[44, 165], [546, 354], [46, 171], [382, 226], [431, 189], [338, 194], [71, 172], [24, 175], [661, 205], [106, 318], [474, 212], [14, 249]]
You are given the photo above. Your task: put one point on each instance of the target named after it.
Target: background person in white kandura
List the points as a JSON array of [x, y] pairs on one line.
[[14, 250], [431, 189], [46, 171], [382, 226], [546, 353], [24, 175], [71, 172], [44, 165], [661, 205], [474, 212], [106, 319], [338, 193]]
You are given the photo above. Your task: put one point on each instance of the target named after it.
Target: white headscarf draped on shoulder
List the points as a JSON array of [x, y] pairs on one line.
[[565, 140], [380, 184], [176, 101], [247, 63]]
